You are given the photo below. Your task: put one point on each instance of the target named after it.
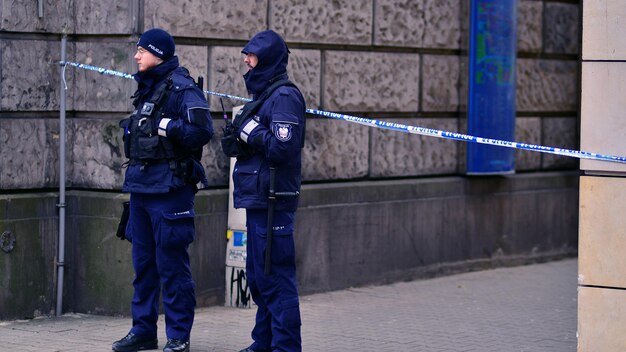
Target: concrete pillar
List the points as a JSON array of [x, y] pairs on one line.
[[602, 227]]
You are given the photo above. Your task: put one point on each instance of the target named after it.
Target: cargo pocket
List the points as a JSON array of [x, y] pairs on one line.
[[291, 312], [177, 229], [283, 247], [246, 177]]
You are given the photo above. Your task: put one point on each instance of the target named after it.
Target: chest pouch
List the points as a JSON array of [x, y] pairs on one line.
[[141, 140]]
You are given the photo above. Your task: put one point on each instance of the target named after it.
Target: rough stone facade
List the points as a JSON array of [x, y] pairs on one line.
[[365, 57], [421, 24], [395, 60]]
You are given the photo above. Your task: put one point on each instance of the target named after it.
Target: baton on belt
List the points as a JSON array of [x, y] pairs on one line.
[[271, 202]]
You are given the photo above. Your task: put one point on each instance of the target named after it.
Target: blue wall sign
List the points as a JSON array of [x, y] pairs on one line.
[[491, 96]]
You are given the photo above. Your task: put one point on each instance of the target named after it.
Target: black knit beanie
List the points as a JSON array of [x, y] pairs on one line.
[[158, 42]]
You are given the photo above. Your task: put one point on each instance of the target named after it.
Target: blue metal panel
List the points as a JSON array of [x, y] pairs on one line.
[[491, 98]]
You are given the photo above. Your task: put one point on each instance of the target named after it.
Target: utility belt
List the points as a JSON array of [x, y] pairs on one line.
[[146, 163], [187, 169]]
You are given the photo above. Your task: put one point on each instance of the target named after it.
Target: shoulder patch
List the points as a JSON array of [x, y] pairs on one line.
[[283, 131]]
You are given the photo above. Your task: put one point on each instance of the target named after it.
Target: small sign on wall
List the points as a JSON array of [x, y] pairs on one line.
[[237, 290]]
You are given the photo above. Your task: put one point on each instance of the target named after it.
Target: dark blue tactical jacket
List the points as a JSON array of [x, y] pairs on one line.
[[185, 122], [277, 134]]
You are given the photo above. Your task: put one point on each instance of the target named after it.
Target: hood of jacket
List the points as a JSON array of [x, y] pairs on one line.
[[273, 56]]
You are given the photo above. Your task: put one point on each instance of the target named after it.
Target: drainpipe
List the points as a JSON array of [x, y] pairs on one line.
[[61, 243]]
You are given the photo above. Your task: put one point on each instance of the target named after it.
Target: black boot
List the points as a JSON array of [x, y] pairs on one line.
[[132, 342], [174, 345]]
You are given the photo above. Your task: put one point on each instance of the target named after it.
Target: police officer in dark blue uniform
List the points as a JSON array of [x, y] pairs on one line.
[[271, 138], [163, 140]]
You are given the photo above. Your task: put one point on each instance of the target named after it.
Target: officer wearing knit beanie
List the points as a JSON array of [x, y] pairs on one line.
[[158, 42], [163, 141]]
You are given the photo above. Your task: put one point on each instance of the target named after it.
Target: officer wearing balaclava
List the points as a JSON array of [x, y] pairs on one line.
[[273, 137]]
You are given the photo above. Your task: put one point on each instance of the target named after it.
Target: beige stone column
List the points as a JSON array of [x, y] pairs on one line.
[[602, 228]]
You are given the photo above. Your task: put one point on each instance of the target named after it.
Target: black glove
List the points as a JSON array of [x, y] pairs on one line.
[[121, 227], [232, 146]]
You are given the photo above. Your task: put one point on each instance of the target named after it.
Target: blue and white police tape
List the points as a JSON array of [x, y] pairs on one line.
[[394, 126], [104, 71]]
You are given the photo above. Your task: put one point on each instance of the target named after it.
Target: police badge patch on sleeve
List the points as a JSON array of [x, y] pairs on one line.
[[282, 131]]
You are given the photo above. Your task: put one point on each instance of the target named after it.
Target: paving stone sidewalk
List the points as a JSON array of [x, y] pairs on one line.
[[527, 308]]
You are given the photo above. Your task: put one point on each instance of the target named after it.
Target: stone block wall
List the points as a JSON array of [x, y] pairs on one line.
[[389, 59], [393, 60]]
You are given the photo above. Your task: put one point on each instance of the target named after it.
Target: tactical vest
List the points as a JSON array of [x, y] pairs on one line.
[[142, 143]]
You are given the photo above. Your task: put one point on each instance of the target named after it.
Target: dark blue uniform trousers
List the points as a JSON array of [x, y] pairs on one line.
[[277, 326], [161, 227]]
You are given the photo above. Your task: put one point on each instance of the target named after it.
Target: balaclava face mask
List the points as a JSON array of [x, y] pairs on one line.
[[273, 55]]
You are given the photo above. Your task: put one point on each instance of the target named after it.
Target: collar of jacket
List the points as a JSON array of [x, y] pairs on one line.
[[149, 80], [268, 83], [156, 74]]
